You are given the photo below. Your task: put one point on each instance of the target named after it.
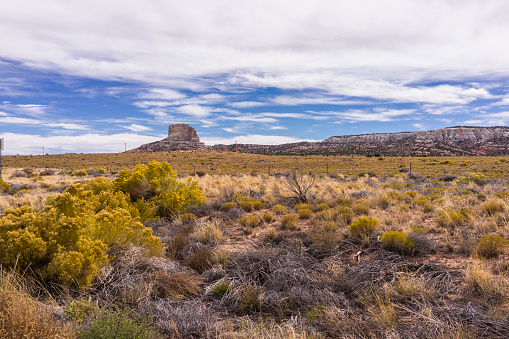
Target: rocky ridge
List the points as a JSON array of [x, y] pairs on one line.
[[459, 140]]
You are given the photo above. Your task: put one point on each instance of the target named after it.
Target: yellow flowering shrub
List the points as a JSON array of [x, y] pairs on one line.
[[157, 183], [73, 232]]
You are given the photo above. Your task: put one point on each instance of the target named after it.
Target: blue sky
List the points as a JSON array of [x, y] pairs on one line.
[[93, 76]]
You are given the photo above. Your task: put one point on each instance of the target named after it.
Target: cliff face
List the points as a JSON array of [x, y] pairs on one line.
[[453, 135]]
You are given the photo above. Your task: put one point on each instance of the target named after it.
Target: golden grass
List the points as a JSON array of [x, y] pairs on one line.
[[216, 162]]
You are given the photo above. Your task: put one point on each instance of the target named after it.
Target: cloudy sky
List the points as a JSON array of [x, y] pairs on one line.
[[93, 76]]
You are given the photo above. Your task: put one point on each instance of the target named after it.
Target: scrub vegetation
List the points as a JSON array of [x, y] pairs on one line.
[[159, 250]]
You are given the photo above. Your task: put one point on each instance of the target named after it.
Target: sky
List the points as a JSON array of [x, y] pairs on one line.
[[105, 76]]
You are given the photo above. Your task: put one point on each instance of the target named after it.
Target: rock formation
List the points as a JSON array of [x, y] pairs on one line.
[[181, 137], [445, 141]]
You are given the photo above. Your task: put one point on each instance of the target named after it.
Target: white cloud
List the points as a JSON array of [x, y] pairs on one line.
[[183, 44], [247, 104], [249, 118], [138, 128], [377, 115], [194, 110], [90, 142], [69, 126], [278, 127], [253, 139], [161, 94]]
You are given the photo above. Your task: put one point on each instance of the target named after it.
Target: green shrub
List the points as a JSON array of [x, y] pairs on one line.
[[452, 218], [267, 217], [364, 226], [279, 209], [304, 213], [118, 325], [290, 221], [477, 178], [246, 205], [219, 289], [398, 241], [188, 217], [258, 205], [321, 207], [345, 214], [425, 204], [344, 202], [157, 184], [491, 208], [302, 206], [491, 246], [228, 206], [4, 187], [79, 173], [249, 221]]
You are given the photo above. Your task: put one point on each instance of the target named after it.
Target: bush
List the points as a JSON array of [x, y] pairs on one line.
[[302, 206], [118, 325], [267, 217], [398, 241], [208, 233], [228, 206], [364, 227], [304, 213], [249, 221], [491, 208], [321, 207], [156, 183], [4, 187], [188, 217], [219, 289], [201, 259], [290, 221], [344, 202], [452, 218], [72, 234], [79, 173], [360, 209], [246, 205], [258, 205], [279, 209], [491, 246], [250, 298], [383, 202], [425, 204]]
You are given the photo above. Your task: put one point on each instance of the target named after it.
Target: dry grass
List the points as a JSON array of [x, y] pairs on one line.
[[21, 316], [311, 278]]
